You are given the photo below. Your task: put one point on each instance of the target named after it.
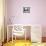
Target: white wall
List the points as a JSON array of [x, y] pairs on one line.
[[37, 13]]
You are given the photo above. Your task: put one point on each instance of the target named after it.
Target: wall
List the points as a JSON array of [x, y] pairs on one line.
[[37, 13]]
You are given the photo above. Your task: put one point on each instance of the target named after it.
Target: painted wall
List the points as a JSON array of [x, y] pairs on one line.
[[37, 13]]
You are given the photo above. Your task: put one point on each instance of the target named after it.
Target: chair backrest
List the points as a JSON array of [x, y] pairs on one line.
[[18, 30]]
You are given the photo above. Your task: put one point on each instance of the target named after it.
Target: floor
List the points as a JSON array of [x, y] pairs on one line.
[[23, 43]]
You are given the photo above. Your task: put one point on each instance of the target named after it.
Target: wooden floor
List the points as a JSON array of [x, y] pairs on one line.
[[23, 43], [18, 43]]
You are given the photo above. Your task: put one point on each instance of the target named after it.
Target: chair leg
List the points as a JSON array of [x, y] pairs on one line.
[[25, 36], [15, 38], [12, 36]]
